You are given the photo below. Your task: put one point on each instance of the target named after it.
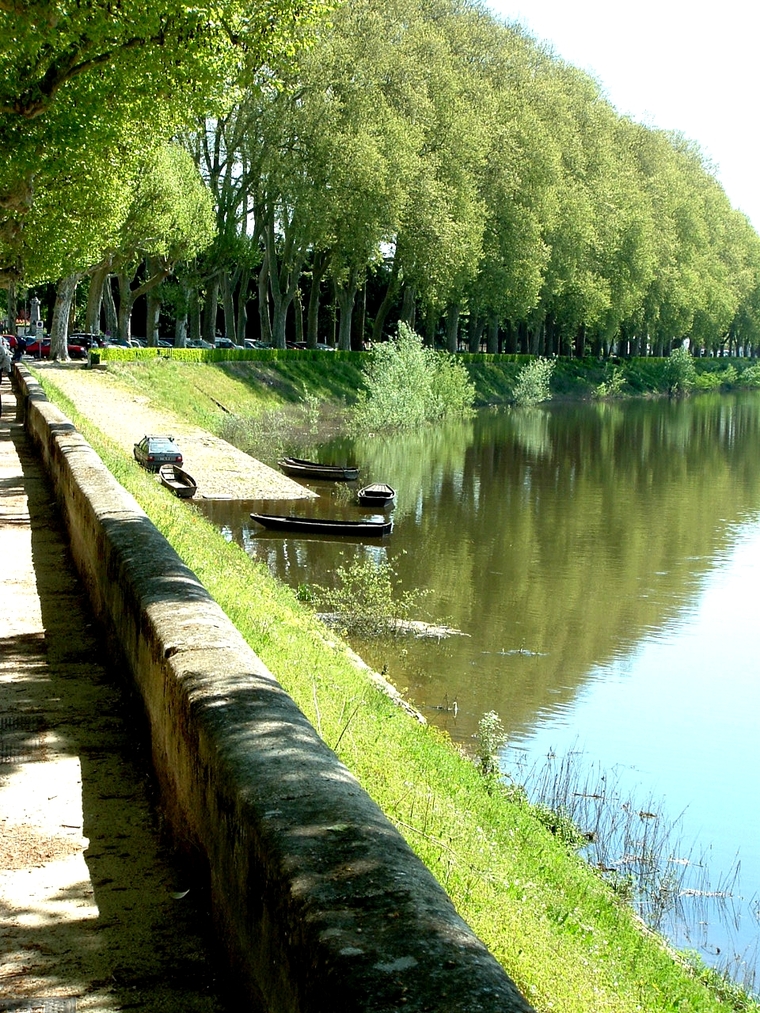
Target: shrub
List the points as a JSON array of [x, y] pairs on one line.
[[365, 598], [680, 372], [408, 385], [533, 383], [491, 739]]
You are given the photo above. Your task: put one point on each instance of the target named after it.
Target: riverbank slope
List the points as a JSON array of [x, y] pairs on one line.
[[563, 935]]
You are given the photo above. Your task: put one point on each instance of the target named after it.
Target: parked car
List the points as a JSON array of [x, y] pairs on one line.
[[153, 451], [41, 349], [87, 340], [224, 343]]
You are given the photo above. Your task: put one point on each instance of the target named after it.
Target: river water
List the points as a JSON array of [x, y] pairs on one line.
[[602, 562]]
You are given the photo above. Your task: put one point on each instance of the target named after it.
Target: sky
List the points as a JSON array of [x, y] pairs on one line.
[[681, 65]]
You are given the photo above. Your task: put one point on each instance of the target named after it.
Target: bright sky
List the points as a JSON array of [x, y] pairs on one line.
[[681, 65]]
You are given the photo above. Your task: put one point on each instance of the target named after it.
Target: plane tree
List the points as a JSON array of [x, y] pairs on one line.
[[78, 76]]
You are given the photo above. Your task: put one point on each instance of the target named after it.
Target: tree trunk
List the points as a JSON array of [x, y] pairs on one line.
[[345, 296], [241, 325], [12, 307], [318, 271], [580, 342], [126, 301], [431, 326], [522, 338], [59, 330], [452, 328], [153, 311], [265, 322], [492, 342], [283, 281], [95, 298], [194, 315], [210, 306], [112, 320], [228, 307], [298, 315], [409, 306], [475, 332], [389, 298], [362, 320]]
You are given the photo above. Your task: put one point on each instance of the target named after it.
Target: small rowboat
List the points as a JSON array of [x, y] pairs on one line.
[[324, 526], [177, 481], [378, 494], [297, 468]]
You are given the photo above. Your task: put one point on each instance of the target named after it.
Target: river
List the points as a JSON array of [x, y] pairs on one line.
[[602, 562]]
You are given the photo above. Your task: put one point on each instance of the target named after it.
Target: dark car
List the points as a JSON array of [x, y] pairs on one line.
[[153, 451]]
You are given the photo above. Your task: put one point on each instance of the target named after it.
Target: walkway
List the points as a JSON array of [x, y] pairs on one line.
[[95, 911]]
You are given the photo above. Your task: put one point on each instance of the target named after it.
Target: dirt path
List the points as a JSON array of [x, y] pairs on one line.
[[95, 912], [221, 470]]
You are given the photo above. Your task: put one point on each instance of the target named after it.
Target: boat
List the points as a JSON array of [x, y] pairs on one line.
[[378, 494], [177, 481], [297, 468], [324, 525]]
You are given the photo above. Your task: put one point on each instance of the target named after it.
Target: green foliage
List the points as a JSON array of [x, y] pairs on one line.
[[491, 740], [612, 385], [366, 598], [560, 823], [750, 377], [681, 371], [533, 383], [408, 385], [713, 379]]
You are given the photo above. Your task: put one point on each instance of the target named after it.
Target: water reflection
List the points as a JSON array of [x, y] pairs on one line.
[[603, 561]]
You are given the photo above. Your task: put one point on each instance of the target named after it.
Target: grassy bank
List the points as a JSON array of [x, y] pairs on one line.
[[215, 386], [564, 936]]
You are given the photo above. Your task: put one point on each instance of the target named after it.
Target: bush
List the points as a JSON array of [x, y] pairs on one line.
[[366, 598], [680, 372], [533, 383], [408, 385]]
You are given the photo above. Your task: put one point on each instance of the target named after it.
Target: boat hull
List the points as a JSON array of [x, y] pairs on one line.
[[177, 481], [297, 468], [324, 526], [378, 495]]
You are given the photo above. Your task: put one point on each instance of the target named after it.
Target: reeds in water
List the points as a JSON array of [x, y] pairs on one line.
[[643, 855]]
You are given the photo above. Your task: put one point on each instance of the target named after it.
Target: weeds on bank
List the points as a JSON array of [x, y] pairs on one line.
[[562, 934], [533, 384], [366, 598]]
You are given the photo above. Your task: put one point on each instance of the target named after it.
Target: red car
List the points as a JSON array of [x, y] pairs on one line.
[[41, 350]]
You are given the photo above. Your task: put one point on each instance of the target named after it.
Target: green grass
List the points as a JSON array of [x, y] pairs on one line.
[[566, 939]]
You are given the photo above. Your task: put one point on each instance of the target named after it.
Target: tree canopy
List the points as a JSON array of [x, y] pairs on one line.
[[420, 151]]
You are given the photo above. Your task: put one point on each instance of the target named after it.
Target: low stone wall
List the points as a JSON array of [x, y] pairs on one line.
[[318, 901]]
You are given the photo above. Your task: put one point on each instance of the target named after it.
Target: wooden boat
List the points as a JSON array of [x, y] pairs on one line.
[[378, 494], [297, 468], [177, 481], [324, 526]]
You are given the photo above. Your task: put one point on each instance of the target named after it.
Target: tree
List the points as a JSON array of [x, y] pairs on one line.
[[76, 77]]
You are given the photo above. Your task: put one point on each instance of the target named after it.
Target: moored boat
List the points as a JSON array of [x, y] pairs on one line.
[[377, 494], [323, 525], [298, 468], [177, 481]]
